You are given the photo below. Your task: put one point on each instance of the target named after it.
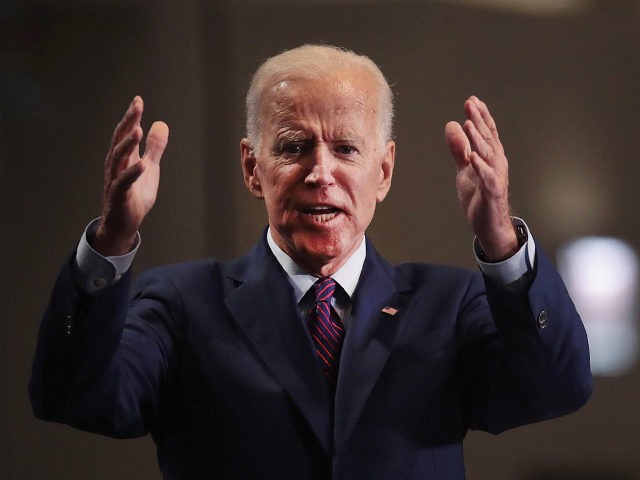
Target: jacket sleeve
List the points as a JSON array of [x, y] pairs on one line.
[[531, 362], [103, 361]]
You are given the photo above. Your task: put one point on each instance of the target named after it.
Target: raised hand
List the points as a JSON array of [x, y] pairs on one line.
[[482, 179], [130, 181]]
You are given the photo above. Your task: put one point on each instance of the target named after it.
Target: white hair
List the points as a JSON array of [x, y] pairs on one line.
[[313, 61]]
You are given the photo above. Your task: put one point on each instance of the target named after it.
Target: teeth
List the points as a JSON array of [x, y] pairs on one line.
[[325, 217], [322, 213]]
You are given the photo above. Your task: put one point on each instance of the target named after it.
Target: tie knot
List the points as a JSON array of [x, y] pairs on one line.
[[324, 289]]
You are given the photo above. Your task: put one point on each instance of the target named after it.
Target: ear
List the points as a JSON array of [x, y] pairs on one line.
[[386, 170], [249, 169]]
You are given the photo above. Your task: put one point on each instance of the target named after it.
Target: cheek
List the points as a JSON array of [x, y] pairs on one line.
[[367, 189], [366, 196], [277, 185]]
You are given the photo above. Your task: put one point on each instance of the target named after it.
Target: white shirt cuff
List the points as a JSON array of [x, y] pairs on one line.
[[96, 272], [513, 268]]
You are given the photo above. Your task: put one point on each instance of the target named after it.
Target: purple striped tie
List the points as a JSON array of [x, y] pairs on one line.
[[326, 329]]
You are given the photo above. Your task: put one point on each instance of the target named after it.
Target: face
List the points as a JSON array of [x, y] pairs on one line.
[[322, 166]]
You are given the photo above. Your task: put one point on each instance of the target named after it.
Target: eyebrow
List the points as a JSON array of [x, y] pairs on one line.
[[346, 136], [291, 135]]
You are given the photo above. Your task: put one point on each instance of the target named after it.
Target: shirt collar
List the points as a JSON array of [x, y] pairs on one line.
[[347, 276]]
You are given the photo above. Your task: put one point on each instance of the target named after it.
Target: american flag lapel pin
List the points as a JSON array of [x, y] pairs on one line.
[[389, 310]]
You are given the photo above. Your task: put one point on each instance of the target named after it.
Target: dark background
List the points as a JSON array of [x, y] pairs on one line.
[[563, 89]]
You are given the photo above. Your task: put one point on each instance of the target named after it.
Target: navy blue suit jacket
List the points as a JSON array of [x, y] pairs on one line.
[[214, 360]]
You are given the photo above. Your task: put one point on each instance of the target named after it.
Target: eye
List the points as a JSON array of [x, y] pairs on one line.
[[293, 149], [345, 149]]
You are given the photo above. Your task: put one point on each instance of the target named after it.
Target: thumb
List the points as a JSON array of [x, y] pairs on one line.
[[157, 140], [458, 143]]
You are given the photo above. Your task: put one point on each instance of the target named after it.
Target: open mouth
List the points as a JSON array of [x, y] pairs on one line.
[[322, 213]]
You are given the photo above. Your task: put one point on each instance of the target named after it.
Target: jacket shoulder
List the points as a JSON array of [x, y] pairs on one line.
[[184, 276], [419, 273]]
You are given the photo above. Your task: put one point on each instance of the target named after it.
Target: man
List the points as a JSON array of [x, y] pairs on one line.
[[243, 369]]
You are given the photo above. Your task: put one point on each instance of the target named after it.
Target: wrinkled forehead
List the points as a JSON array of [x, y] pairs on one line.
[[330, 94]]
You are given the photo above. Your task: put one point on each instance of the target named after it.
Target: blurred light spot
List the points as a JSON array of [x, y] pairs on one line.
[[533, 7], [601, 275]]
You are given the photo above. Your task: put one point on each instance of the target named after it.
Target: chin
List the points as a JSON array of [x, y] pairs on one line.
[[322, 250]]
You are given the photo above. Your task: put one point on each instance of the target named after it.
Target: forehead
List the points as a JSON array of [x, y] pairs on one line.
[[335, 96]]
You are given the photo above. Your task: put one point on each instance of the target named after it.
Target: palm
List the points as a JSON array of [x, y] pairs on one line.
[[470, 195], [482, 179], [131, 181], [143, 191]]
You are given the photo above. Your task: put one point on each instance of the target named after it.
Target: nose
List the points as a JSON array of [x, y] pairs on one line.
[[321, 167]]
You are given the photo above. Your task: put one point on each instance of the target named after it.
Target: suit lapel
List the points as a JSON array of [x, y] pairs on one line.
[[263, 306], [369, 340]]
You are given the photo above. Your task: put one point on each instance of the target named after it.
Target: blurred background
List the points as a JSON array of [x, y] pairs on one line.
[[561, 78]]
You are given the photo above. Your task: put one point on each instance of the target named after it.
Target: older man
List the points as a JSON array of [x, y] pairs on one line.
[[311, 357]]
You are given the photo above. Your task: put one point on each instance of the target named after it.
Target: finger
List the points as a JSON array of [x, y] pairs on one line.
[[483, 109], [489, 181], [156, 142], [472, 108], [123, 182], [482, 169], [119, 157], [131, 119], [479, 114], [458, 143], [478, 143]]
